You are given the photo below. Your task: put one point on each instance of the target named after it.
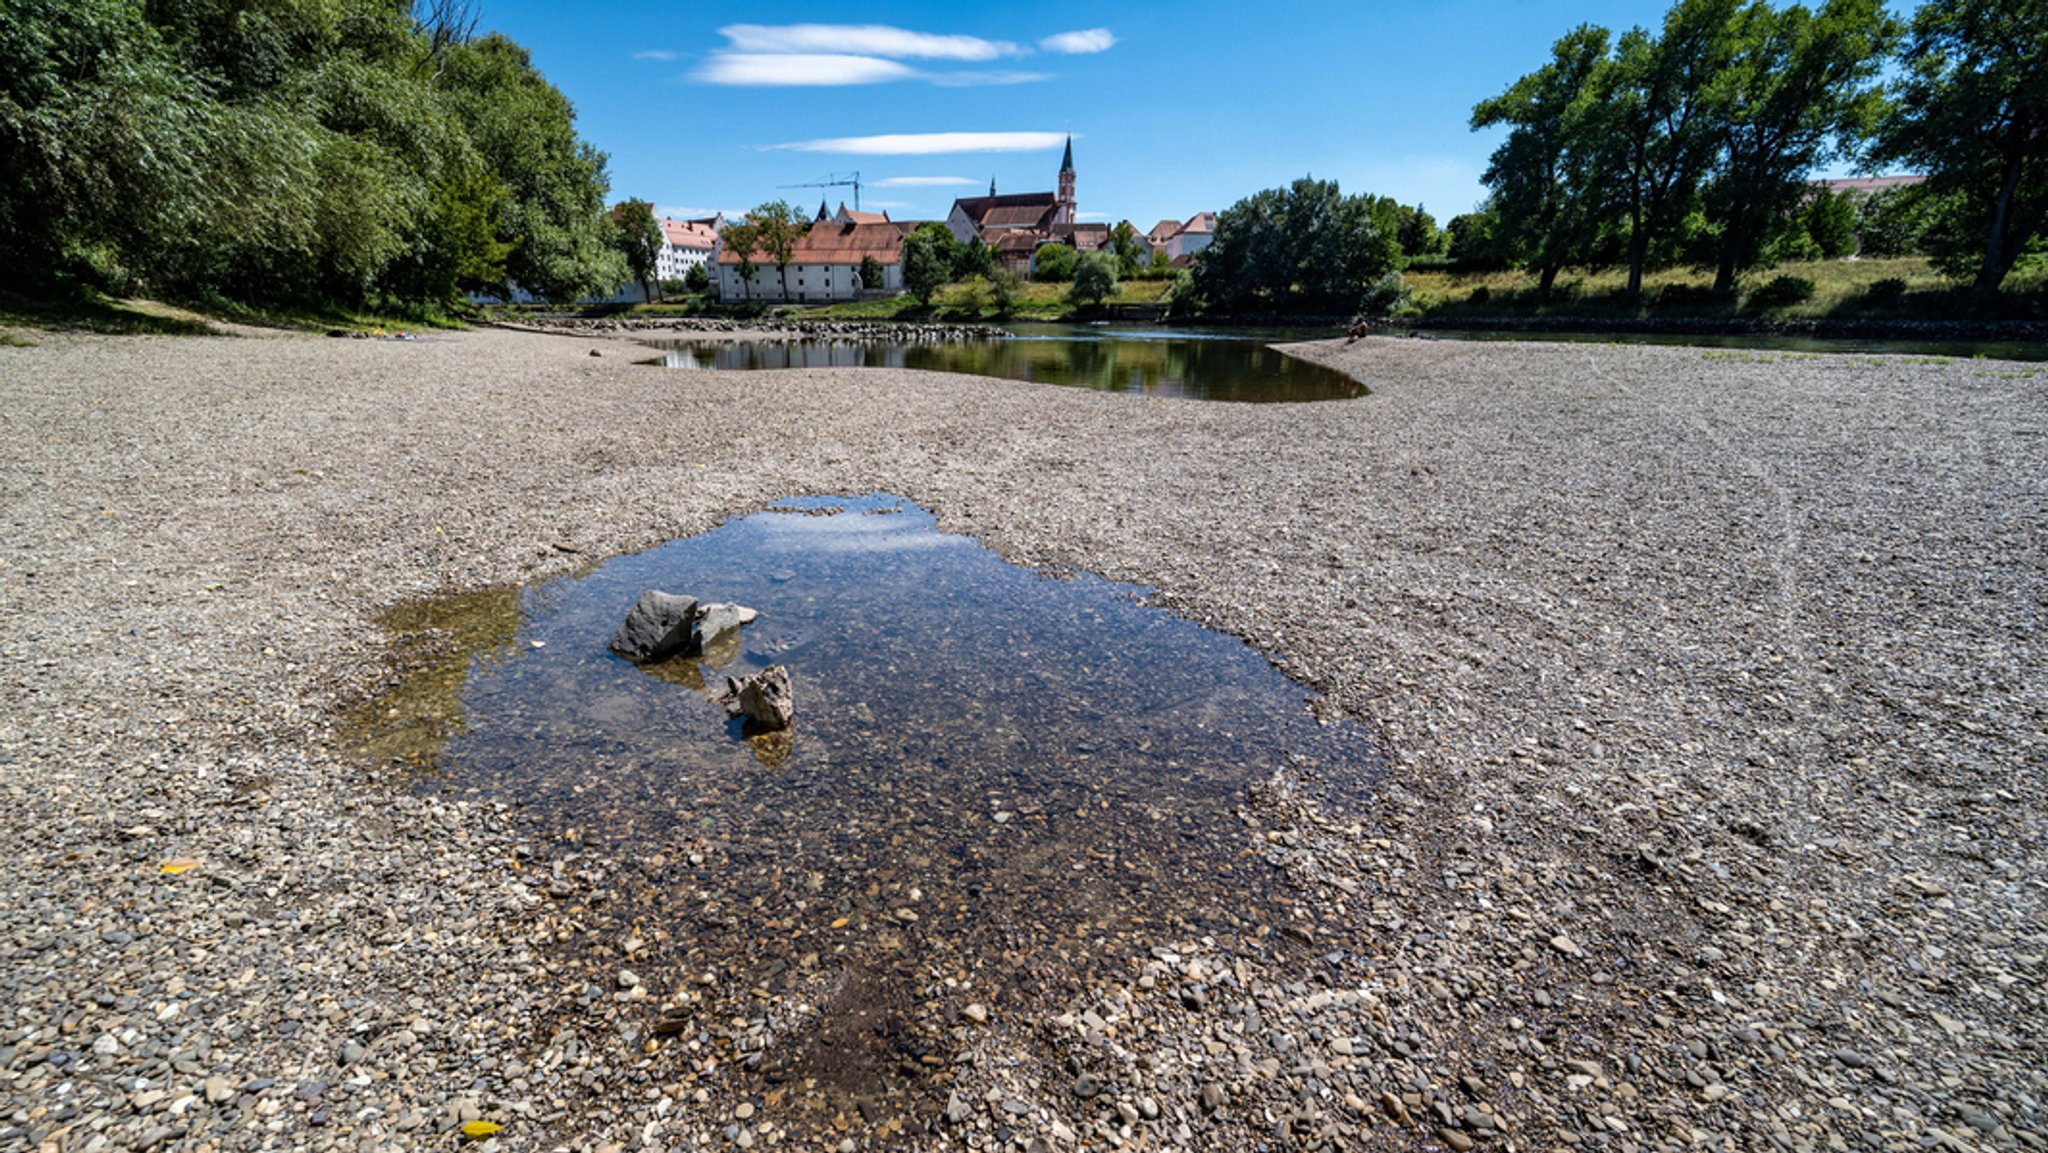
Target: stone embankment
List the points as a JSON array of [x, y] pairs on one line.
[[763, 328]]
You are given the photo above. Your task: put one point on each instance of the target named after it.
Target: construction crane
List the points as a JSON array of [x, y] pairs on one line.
[[835, 180]]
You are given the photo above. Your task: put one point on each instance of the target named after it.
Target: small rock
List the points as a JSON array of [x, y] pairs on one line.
[[765, 699], [218, 1089], [1212, 1097], [977, 1013]]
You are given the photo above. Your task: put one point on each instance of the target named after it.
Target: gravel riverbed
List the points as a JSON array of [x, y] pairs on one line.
[[1711, 686]]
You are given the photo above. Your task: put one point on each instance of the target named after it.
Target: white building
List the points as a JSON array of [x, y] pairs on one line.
[[824, 266], [687, 243]]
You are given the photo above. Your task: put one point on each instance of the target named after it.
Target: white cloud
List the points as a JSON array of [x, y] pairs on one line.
[[1079, 43], [654, 54], [929, 143], [801, 70], [692, 212], [921, 182], [983, 79], [865, 40]]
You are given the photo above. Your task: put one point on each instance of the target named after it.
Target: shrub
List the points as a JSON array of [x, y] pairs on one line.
[[1679, 296], [1886, 293], [1480, 295], [1782, 292], [697, 279], [1388, 293]]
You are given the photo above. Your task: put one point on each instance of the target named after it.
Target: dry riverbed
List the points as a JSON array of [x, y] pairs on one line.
[[1710, 683]]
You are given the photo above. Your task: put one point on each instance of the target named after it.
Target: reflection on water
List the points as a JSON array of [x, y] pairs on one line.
[[999, 789], [1233, 367]]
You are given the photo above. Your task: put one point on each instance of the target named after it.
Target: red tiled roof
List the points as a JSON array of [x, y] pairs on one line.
[[689, 234], [829, 243], [1200, 222], [1163, 231], [1866, 184]]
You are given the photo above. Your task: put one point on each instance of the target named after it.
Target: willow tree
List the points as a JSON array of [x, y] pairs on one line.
[[1971, 111], [1797, 90]]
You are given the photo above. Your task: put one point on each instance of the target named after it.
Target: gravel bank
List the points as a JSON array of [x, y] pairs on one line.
[[1711, 684]]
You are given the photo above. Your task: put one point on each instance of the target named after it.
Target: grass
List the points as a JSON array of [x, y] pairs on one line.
[[1841, 289], [77, 309]]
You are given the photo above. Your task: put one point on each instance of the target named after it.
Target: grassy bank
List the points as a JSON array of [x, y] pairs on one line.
[[1896, 289], [83, 310]]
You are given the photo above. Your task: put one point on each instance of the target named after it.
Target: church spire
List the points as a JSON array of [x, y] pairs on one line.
[[991, 184], [1067, 212]]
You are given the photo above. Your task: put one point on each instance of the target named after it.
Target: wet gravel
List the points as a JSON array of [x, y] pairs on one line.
[[1710, 684]]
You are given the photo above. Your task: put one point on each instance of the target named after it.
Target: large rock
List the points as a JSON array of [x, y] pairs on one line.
[[765, 699], [661, 625]]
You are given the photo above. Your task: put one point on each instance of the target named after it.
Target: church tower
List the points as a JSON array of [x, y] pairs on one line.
[[1066, 213]]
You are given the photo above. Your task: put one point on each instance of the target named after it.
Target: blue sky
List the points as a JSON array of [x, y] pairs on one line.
[[1174, 108]]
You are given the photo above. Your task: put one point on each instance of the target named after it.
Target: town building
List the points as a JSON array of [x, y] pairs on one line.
[[686, 243], [823, 267], [1017, 224]]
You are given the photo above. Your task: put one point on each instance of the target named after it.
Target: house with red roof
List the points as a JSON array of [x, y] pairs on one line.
[[825, 265]]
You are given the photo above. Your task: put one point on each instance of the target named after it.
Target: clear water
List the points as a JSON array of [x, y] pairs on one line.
[[1001, 787], [1226, 365]]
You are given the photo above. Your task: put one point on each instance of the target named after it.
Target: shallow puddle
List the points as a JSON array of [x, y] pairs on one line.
[[999, 789]]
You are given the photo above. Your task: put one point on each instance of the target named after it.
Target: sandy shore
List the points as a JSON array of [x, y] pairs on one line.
[[1711, 684]]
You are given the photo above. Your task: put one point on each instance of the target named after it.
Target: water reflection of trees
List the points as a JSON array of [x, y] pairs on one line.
[[1229, 370]]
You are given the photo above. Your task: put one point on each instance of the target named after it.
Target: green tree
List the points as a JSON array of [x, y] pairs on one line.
[[743, 241], [1095, 278], [1129, 249], [1003, 287], [970, 259], [1971, 110], [778, 226], [1654, 124], [1891, 221], [1470, 237], [1547, 208], [872, 275], [1797, 89], [1053, 263], [926, 260], [639, 237], [1306, 247], [1828, 221], [555, 183], [696, 279]]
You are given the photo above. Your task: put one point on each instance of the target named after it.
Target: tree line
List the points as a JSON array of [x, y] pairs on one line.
[[1695, 143], [300, 152]]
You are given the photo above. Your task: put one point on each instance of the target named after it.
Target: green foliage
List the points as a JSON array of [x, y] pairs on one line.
[[697, 278], [1418, 234], [743, 241], [1828, 221], [777, 227], [1796, 90], [1471, 240], [1003, 288], [288, 151], [1782, 292], [872, 275], [1971, 111], [927, 260], [1892, 222], [1128, 248], [1303, 248], [1095, 278], [638, 236], [970, 259], [1053, 263], [1690, 143]]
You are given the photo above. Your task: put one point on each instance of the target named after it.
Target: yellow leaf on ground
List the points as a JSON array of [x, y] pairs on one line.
[[478, 1130], [177, 865]]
